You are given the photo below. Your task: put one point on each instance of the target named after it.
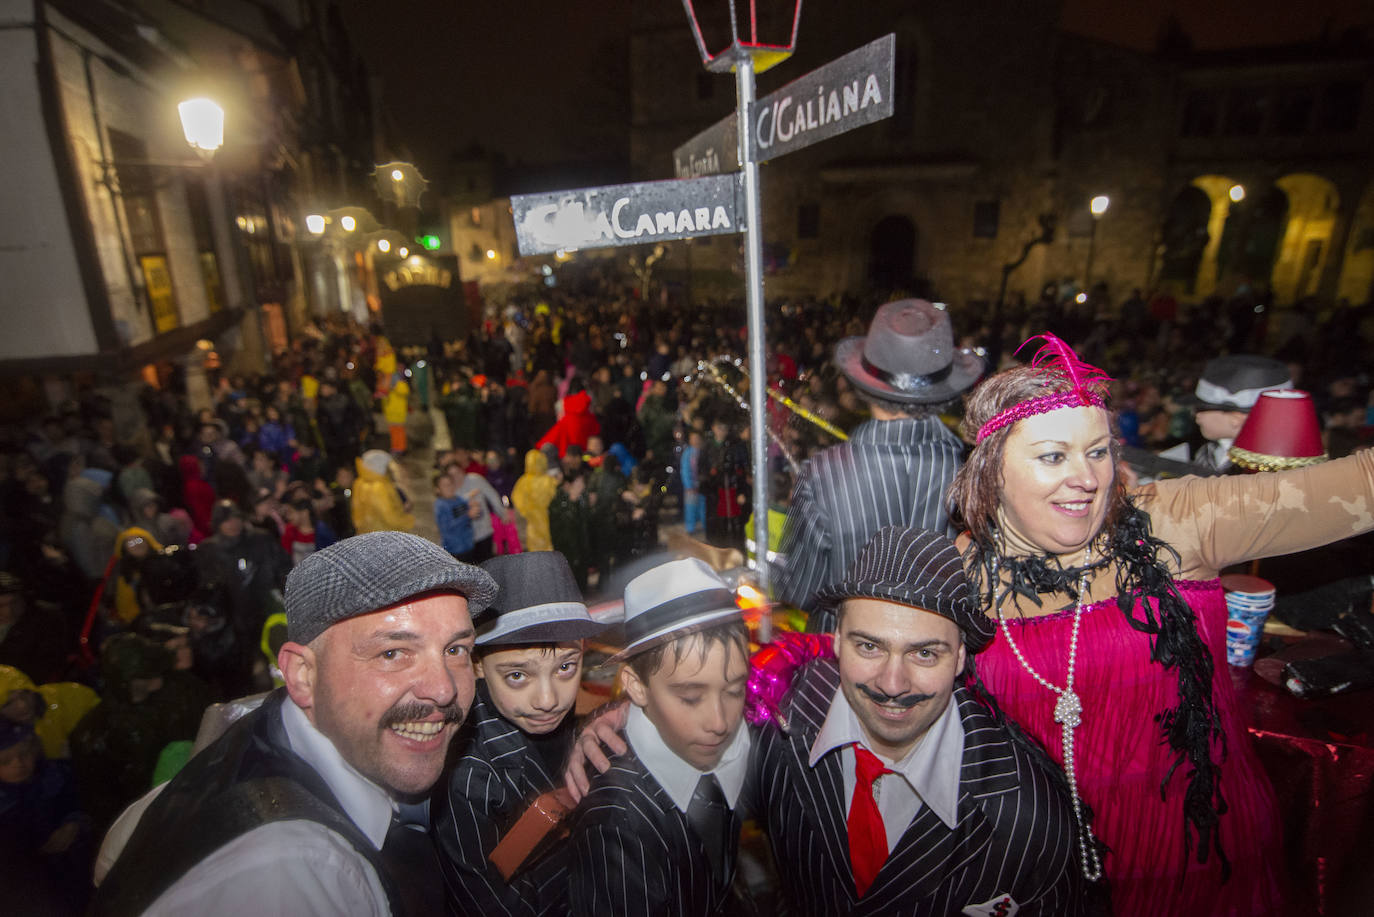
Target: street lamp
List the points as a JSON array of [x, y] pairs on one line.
[[751, 43], [202, 121], [399, 182], [1237, 193], [1097, 206]]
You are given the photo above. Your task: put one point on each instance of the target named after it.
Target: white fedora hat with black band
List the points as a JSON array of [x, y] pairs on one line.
[[671, 600], [909, 355], [538, 602]]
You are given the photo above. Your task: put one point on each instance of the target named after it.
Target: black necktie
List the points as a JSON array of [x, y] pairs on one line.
[[709, 815], [411, 860]]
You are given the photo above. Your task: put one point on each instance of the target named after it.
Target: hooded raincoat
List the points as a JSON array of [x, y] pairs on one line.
[[533, 493]]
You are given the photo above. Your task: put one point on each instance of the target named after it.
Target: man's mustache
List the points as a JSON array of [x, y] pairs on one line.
[[406, 711], [906, 701]]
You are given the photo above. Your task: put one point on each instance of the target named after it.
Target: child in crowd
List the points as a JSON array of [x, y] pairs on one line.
[[658, 833], [453, 517], [516, 738], [693, 500], [298, 535]]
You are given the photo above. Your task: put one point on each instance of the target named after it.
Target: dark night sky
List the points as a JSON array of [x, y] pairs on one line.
[[539, 80]]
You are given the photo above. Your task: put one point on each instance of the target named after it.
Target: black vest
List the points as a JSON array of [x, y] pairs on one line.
[[249, 777]]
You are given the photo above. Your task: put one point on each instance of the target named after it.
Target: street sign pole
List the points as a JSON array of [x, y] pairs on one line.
[[758, 361]]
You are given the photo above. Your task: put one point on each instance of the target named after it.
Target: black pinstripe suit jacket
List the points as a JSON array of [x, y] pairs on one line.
[[635, 854], [496, 776], [890, 472], [1015, 833]]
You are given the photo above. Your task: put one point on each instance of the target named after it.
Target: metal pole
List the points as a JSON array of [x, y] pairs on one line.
[[758, 363]]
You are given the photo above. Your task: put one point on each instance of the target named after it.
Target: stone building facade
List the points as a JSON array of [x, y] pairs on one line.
[[1003, 118]]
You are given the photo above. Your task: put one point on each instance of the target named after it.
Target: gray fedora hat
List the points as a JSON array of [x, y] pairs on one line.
[[918, 568], [372, 571], [909, 355], [539, 601], [1234, 382], [672, 600]]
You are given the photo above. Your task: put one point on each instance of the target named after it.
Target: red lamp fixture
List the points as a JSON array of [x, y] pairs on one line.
[[1281, 432], [727, 30]]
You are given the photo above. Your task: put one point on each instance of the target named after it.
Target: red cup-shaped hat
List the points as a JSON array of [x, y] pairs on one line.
[[1281, 432]]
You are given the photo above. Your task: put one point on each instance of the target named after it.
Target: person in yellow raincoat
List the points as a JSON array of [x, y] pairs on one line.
[[395, 407], [376, 502], [533, 492], [132, 548], [53, 710]]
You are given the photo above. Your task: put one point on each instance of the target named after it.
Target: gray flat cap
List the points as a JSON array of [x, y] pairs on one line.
[[373, 571]]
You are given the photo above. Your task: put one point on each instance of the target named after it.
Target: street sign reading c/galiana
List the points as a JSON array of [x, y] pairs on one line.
[[633, 214], [846, 93]]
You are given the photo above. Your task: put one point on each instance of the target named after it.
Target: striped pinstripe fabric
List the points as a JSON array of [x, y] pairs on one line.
[[489, 788], [636, 856], [890, 472], [1015, 832]]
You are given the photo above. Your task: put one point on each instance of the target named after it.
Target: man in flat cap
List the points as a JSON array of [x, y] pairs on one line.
[[897, 790], [895, 468], [315, 802]]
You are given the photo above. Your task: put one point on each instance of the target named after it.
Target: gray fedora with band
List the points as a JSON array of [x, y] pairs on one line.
[[672, 600], [909, 355], [539, 602]]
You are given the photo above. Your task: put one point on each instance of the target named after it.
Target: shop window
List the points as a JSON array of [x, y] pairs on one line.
[[809, 221], [138, 194]]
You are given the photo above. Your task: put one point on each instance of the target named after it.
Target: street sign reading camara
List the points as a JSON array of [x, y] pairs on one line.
[[627, 214]]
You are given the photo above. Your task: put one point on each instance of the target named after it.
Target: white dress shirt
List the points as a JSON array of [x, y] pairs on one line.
[[294, 867], [929, 774], [675, 775]]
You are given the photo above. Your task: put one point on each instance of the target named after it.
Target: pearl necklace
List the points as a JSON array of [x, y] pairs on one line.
[[1068, 710]]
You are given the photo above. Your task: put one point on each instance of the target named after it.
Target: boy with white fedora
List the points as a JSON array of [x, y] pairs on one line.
[[658, 832], [513, 747]]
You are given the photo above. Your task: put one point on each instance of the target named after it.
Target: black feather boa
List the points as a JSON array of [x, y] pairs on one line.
[[1190, 728]]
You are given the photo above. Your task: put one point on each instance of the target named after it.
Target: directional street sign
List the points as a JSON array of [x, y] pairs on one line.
[[846, 93], [653, 211]]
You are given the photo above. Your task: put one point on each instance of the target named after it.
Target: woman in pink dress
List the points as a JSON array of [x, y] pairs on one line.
[[1111, 634]]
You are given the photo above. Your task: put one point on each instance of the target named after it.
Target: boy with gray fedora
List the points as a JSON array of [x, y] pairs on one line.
[[514, 744]]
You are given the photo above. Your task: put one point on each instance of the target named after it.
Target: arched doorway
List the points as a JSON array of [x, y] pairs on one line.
[[1185, 237], [1250, 238], [892, 254]]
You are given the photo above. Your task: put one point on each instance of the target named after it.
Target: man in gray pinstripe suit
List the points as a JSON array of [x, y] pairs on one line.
[[895, 468], [898, 791]]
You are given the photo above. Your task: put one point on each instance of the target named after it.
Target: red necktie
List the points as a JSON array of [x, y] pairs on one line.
[[867, 836]]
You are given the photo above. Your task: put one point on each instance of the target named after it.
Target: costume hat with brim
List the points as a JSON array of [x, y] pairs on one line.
[[673, 600], [1234, 382], [372, 571], [918, 568], [538, 602], [909, 355]]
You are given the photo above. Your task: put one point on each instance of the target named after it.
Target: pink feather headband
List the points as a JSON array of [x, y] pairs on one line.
[[1056, 358]]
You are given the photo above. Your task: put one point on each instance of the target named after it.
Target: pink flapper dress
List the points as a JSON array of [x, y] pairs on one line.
[[1120, 755], [1121, 759]]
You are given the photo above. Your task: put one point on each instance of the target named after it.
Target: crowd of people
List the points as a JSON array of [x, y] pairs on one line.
[[144, 576]]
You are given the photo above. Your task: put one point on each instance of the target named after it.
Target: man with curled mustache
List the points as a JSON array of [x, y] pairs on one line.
[[897, 790], [316, 802]]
